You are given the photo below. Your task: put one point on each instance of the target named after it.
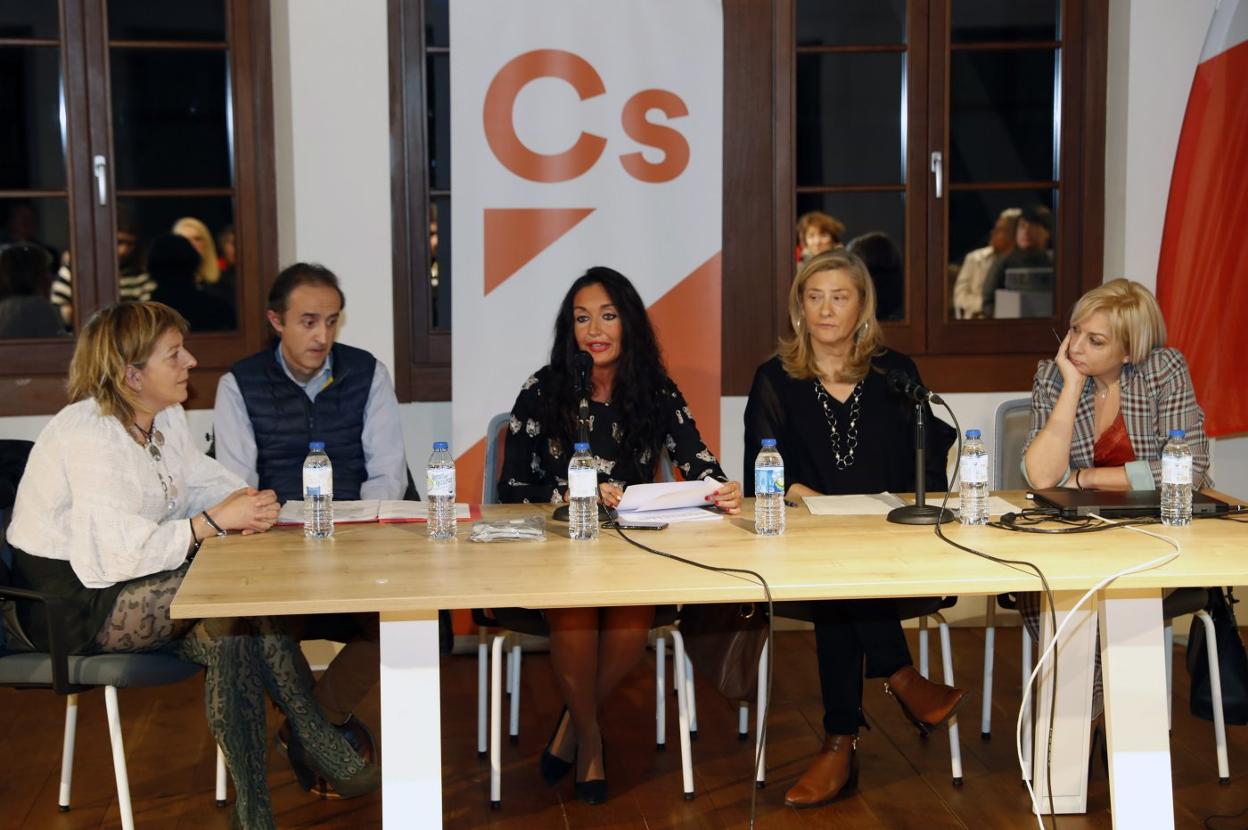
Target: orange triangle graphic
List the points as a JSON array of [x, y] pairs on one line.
[[513, 236]]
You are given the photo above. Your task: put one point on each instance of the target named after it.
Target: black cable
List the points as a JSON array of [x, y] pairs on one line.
[[1016, 564], [761, 717], [1221, 816]]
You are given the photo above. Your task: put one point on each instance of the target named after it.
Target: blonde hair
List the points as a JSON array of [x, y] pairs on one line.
[[1135, 319], [209, 271], [117, 336], [796, 353]]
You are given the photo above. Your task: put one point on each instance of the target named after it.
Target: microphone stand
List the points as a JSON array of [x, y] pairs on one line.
[[920, 513]]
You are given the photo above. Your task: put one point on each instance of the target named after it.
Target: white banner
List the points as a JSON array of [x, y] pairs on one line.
[[583, 132]]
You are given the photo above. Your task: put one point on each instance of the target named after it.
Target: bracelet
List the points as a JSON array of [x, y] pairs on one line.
[[195, 542], [212, 524], [1077, 484]]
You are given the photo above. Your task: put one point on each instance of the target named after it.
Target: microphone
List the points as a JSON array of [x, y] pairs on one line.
[[582, 363], [908, 387]]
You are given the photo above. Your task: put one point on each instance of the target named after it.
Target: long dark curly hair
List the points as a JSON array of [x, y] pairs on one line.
[[641, 386]]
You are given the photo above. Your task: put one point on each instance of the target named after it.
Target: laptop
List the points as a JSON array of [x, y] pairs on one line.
[[1114, 504]]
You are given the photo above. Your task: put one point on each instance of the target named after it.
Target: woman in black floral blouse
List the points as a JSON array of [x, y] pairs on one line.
[[636, 412]]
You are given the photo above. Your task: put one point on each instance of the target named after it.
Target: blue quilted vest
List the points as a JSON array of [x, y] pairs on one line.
[[284, 420]]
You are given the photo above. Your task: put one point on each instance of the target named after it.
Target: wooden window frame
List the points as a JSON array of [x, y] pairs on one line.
[[32, 380]]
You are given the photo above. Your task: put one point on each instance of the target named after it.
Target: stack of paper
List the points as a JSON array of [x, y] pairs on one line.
[[370, 510], [667, 502]]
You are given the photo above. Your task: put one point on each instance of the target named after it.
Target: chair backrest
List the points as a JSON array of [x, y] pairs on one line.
[[1012, 423], [495, 437]]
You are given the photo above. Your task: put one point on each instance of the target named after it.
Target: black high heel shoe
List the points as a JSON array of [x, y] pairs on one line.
[[552, 766], [594, 791]]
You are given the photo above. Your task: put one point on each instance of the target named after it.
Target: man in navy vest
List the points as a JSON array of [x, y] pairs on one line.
[[309, 388]]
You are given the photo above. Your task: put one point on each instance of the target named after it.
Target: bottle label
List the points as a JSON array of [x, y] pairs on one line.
[[583, 483], [318, 481], [1176, 470], [440, 481], [974, 469], [768, 481]]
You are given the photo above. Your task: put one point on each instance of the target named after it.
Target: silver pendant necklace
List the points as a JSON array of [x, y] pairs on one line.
[[153, 440], [843, 460]]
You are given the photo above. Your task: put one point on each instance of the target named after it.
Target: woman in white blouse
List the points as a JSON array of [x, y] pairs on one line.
[[114, 504]]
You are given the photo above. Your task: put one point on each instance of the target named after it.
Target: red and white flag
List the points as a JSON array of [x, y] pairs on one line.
[[1202, 276]]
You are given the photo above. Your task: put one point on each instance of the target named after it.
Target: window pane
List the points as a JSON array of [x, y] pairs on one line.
[[992, 20], [1018, 258], [849, 119], [197, 20], [34, 300], [171, 121], [438, 22], [209, 300], [875, 229], [440, 264], [1002, 116], [24, 18], [31, 143], [850, 22], [438, 104]]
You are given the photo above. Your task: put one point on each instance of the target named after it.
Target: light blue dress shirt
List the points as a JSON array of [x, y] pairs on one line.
[[382, 437]]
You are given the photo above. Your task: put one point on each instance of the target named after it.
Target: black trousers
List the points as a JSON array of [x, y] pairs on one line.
[[849, 633]]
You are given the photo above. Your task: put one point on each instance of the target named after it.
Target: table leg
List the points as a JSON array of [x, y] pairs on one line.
[[411, 721], [1073, 714], [1133, 672]]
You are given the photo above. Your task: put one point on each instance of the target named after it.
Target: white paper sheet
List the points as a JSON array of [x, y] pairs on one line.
[[667, 495], [875, 504], [672, 516], [369, 510], [414, 511]]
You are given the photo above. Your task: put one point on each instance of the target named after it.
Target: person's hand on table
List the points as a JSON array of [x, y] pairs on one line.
[[610, 494], [248, 510], [728, 497]]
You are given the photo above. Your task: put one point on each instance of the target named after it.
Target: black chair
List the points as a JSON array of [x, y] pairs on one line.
[[21, 667]]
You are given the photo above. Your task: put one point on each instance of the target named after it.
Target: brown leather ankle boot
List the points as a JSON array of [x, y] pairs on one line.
[[833, 773], [926, 704]]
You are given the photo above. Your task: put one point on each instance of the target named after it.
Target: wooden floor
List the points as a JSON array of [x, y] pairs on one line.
[[905, 781]]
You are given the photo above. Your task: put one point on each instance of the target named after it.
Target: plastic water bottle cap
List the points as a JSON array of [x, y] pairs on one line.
[[1177, 433], [440, 445], [316, 445], [580, 446], [972, 434], [769, 442]]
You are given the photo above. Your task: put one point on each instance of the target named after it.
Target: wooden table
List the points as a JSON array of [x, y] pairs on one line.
[[396, 571]]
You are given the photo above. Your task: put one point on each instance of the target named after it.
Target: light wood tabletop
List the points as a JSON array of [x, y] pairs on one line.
[[395, 568]]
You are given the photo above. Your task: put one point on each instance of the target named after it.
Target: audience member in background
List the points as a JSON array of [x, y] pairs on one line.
[[133, 282], [25, 278], [887, 268], [968, 289], [209, 277], [636, 412], [171, 265], [841, 429], [114, 503], [1032, 238], [309, 388], [21, 224], [227, 256], [817, 233]]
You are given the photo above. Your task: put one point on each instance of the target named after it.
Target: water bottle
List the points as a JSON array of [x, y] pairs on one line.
[[440, 489], [973, 472], [1176, 481], [769, 490], [318, 493], [582, 494]]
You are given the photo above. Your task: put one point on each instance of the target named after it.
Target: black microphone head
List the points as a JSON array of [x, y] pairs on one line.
[[899, 382], [582, 362]]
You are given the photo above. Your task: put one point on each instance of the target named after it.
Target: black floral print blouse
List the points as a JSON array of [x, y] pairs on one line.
[[535, 461]]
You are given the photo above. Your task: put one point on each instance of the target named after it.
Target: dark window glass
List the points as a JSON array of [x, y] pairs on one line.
[[30, 18], [1002, 117], [438, 104], [846, 22], [438, 22], [849, 118], [1023, 263], [31, 143], [44, 301], [875, 229], [440, 263], [171, 125], [979, 21], [198, 20], [142, 219]]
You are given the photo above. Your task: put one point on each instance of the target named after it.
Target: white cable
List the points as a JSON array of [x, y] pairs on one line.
[[1048, 651]]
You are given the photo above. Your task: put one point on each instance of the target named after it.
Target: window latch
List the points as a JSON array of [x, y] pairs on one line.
[[938, 170], [100, 165]]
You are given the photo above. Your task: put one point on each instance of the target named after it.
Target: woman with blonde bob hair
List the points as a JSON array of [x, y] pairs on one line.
[[197, 233], [115, 502], [841, 429]]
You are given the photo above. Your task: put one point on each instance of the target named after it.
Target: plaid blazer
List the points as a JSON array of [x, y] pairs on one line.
[[1156, 396]]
